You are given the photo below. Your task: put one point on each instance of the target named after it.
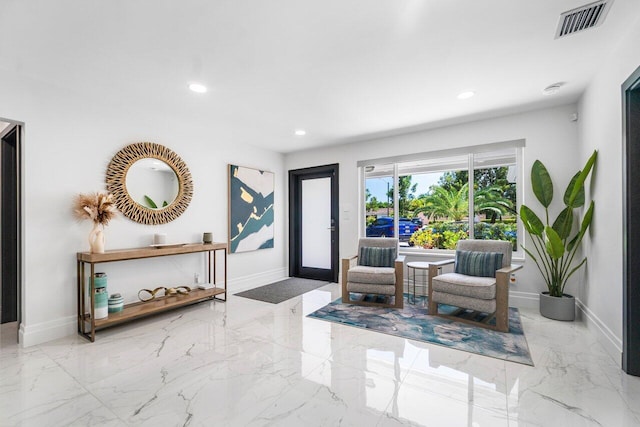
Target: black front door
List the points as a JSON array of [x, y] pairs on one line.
[[313, 223], [9, 224], [631, 225]]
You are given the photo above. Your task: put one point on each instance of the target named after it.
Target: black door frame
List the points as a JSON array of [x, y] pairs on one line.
[[631, 224], [11, 219], [295, 222]]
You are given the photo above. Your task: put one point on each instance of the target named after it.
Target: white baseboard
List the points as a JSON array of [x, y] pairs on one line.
[[254, 280], [524, 299], [611, 343], [30, 335]]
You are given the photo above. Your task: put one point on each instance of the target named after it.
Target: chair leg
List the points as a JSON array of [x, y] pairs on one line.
[[345, 292], [502, 302], [399, 266], [433, 306]]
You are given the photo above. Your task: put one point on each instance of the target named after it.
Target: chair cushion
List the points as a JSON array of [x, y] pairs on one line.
[[365, 288], [482, 305], [481, 245], [468, 286], [376, 257], [476, 263], [372, 275]]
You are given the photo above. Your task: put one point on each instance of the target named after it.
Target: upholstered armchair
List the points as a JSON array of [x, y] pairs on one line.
[[479, 283], [377, 270]]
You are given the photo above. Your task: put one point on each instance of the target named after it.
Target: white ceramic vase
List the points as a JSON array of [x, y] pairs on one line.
[[96, 239]]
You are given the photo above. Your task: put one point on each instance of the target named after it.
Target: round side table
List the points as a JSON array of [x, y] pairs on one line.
[[417, 265]]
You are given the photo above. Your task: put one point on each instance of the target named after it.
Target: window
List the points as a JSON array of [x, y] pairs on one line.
[[438, 201]]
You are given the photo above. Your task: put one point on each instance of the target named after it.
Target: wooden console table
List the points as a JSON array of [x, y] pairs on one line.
[[88, 324]]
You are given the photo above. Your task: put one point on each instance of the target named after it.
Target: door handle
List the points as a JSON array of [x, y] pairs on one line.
[[332, 228]]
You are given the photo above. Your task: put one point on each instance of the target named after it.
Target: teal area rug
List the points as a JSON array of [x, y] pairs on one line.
[[414, 323]]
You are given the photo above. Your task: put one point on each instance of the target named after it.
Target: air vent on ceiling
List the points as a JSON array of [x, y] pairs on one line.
[[582, 18]]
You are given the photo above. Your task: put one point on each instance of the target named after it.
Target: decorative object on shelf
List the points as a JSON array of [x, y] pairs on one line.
[[100, 280], [116, 303], [99, 208], [134, 168], [150, 294], [159, 239], [250, 209], [162, 291], [207, 237], [553, 244], [101, 298], [183, 290], [101, 295]]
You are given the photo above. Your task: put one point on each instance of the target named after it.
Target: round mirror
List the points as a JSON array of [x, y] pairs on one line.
[[150, 183]]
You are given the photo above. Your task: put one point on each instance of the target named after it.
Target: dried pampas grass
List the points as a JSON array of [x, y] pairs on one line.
[[98, 207]]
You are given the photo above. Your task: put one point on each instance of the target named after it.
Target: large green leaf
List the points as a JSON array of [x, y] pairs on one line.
[[531, 221], [579, 200], [584, 226], [553, 243], [574, 270], [541, 183], [578, 185], [562, 225], [150, 202]]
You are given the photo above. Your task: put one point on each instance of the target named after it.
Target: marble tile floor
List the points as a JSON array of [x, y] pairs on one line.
[[249, 363]]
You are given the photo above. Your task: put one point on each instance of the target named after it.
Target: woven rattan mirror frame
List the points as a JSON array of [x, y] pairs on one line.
[[117, 179]]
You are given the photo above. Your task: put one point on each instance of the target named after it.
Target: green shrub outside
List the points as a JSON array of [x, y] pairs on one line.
[[450, 238], [445, 234], [426, 238]]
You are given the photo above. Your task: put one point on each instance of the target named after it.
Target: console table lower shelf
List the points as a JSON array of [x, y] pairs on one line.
[[137, 310], [88, 324]]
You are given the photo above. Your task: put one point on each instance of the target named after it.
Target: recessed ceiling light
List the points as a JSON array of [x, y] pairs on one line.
[[552, 89], [198, 88], [466, 95], [300, 132]]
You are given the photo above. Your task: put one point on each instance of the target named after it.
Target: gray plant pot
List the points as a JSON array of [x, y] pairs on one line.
[[558, 308]]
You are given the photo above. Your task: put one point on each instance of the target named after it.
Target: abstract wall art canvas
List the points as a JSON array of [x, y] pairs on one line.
[[250, 209]]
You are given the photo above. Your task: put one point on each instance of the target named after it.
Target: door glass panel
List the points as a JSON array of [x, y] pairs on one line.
[[316, 223]]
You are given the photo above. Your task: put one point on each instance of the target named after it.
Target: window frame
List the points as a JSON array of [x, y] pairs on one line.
[[470, 152]]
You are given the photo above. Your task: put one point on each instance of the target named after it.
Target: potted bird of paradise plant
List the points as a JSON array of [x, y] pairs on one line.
[[555, 244]]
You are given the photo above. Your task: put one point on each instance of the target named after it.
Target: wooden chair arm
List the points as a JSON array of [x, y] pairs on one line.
[[350, 262], [508, 270], [441, 263], [399, 266], [347, 263]]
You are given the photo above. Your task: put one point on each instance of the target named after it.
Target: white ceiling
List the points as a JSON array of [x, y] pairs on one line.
[[343, 70]]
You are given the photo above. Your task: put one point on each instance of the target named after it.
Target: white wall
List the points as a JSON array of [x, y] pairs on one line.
[[69, 140], [600, 127], [550, 136]]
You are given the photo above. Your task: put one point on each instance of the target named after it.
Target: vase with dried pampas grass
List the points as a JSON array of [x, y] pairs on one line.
[[99, 208]]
